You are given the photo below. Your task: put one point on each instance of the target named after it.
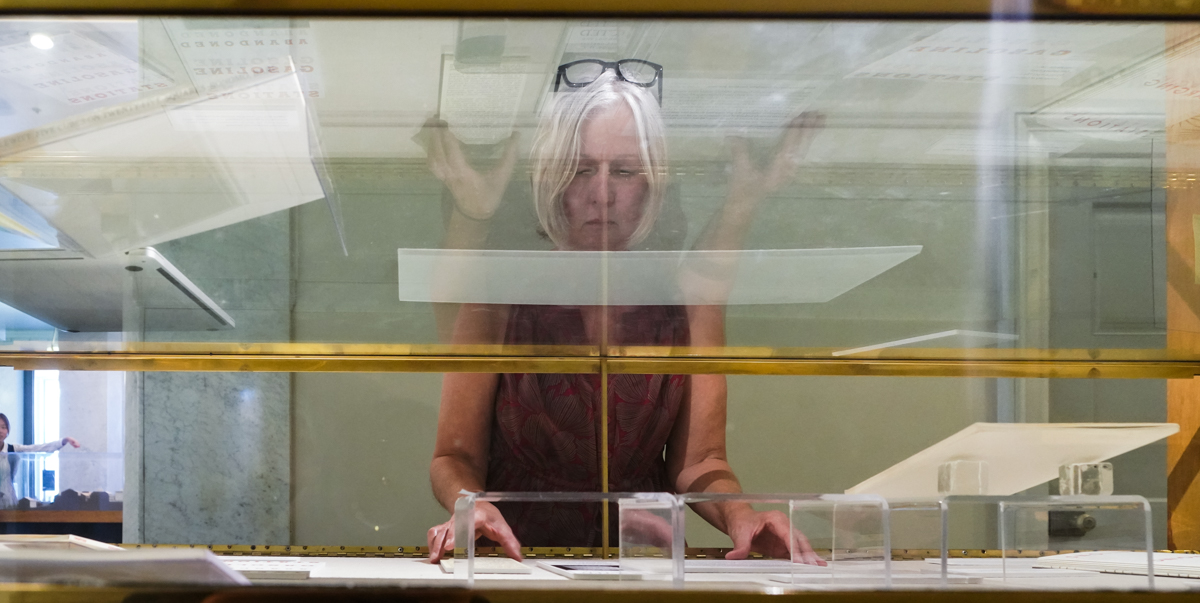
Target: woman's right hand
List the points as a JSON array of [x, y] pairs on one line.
[[750, 182], [488, 522], [476, 195]]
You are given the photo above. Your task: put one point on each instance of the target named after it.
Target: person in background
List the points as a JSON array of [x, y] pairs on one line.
[[8, 497]]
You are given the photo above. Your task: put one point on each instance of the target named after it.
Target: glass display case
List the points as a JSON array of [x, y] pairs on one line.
[[43, 480], [306, 281]]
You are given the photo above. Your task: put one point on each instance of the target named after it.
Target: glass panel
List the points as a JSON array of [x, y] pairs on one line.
[[323, 460], [651, 537], [964, 190], [570, 232]]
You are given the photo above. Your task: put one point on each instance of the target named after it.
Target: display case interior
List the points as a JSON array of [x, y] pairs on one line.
[[247, 262]]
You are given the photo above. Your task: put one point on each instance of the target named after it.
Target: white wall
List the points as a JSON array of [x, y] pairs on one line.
[[92, 410], [12, 399]]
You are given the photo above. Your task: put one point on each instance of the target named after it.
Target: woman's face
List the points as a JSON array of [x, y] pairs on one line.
[[604, 202]]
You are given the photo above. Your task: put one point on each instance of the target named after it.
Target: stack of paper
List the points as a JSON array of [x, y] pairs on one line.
[[154, 566], [1175, 565], [738, 566], [996, 567], [17, 542], [273, 568]]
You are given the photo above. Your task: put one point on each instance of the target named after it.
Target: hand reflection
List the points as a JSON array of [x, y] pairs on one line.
[[644, 528], [476, 194], [753, 182], [708, 279], [771, 534]]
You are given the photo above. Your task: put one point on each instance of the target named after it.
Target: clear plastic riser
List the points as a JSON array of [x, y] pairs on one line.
[[848, 536], [649, 532], [652, 537], [1087, 524], [1028, 533], [922, 524]]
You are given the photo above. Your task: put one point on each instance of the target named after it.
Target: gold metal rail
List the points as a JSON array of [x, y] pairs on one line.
[[564, 552], [982, 9], [977, 9], [966, 366]]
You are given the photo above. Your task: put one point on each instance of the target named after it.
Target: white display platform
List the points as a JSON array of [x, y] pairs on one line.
[[916, 574], [1019, 456], [636, 278]]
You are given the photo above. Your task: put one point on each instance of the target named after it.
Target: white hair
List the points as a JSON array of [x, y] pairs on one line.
[[555, 152]]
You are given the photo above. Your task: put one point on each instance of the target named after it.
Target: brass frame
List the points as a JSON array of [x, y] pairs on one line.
[[971, 9], [421, 551], [1132, 364], [544, 552]]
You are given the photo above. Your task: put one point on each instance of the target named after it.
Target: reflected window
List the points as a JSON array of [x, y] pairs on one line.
[[46, 423]]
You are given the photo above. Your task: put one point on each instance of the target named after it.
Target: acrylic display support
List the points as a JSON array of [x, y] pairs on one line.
[[650, 530], [1092, 523], [1029, 524], [849, 532]]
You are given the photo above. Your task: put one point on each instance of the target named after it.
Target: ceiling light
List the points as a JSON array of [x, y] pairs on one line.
[[41, 41]]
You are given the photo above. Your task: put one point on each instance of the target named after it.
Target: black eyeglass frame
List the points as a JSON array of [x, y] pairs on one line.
[[561, 76]]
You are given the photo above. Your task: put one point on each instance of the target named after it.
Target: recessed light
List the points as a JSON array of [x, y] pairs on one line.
[[41, 41]]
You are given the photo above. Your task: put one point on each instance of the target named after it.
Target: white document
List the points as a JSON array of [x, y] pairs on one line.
[[956, 338], [996, 567], [77, 71], [1019, 456], [17, 542], [737, 566], [273, 568], [1174, 565], [491, 565], [736, 104], [218, 56], [588, 570], [253, 157], [1016, 53], [165, 566]]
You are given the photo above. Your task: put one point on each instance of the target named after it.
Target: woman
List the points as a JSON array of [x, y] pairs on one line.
[[598, 184], [8, 497]]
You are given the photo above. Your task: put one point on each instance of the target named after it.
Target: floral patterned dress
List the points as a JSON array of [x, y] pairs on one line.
[[545, 432]]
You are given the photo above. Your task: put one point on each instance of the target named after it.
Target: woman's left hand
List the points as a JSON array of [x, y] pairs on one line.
[[70, 441], [769, 533]]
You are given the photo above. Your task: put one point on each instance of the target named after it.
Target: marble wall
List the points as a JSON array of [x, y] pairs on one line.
[[212, 451], [216, 464]]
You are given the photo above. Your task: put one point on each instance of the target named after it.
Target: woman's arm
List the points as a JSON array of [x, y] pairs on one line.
[[477, 196], [707, 278], [460, 454], [47, 447], [749, 184], [697, 462]]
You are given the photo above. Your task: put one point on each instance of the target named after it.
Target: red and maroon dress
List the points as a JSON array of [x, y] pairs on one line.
[[545, 434]]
